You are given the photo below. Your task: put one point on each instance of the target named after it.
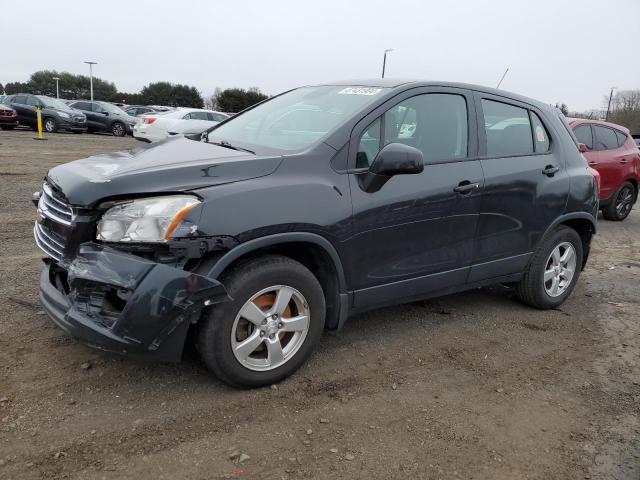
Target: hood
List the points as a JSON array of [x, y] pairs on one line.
[[176, 164]]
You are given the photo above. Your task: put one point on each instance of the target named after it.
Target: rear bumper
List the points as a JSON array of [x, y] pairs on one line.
[[125, 304]]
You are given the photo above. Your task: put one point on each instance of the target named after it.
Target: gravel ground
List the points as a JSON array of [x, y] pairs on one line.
[[469, 386]]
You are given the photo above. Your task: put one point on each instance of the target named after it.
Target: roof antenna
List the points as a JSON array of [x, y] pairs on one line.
[[503, 75]]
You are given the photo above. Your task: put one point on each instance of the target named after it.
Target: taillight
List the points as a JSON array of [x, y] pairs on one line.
[[149, 120], [596, 176]]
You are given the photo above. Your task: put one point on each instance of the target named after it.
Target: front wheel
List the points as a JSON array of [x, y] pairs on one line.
[[553, 271], [269, 328], [621, 203], [118, 129]]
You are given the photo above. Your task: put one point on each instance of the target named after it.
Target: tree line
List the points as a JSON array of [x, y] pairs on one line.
[[73, 87]]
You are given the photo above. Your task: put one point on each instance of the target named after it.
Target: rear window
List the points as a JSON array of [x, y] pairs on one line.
[[605, 138], [507, 128]]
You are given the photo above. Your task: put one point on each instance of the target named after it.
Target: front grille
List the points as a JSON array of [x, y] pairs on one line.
[[47, 243], [54, 208], [56, 217], [6, 113]]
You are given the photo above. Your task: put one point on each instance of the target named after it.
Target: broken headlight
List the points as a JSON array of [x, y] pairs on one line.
[[145, 220]]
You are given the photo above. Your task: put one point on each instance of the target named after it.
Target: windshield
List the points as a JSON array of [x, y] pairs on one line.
[[296, 119], [54, 103], [111, 108]]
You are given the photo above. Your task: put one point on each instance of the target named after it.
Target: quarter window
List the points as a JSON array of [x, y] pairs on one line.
[[606, 138], [622, 138], [540, 134], [507, 128], [584, 135]]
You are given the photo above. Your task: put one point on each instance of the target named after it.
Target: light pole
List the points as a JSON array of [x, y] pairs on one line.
[[91, 64], [384, 60], [57, 79], [606, 118]]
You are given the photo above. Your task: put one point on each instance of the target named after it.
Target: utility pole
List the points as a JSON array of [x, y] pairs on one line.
[[503, 75], [57, 87], [91, 64], [384, 60], [606, 118]]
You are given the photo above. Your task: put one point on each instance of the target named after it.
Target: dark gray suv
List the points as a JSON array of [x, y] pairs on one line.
[[56, 115], [322, 202], [106, 117]]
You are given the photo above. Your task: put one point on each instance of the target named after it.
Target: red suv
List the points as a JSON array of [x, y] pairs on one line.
[[8, 118], [615, 155]]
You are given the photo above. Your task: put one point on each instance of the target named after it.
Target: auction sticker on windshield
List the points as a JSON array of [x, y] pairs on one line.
[[359, 91]]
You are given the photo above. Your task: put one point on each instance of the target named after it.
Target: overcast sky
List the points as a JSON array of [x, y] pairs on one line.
[[557, 50]]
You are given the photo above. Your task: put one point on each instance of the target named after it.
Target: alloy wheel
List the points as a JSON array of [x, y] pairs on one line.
[[624, 202], [49, 125], [560, 269], [117, 130], [270, 328]]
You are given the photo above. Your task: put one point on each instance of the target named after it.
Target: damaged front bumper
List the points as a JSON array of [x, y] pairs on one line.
[[124, 303]]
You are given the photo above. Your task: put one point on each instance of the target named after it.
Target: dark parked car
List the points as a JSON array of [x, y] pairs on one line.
[[8, 118], [611, 151], [319, 203], [106, 117], [56, 115]]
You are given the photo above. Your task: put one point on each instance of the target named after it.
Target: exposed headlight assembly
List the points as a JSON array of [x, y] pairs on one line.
[[151, 220]]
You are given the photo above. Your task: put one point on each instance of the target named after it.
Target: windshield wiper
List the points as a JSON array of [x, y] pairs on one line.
[[225, 144]]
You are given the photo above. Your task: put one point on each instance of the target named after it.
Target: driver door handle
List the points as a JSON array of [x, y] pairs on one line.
[[465, 187]]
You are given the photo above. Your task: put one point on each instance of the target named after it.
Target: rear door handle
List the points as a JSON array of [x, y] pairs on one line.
[[465, 187], [623, 160], [550, 170]]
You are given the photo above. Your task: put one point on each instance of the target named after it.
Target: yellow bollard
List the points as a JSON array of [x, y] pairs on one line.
[[39, 115]]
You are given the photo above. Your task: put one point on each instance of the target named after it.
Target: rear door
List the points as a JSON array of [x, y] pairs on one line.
[[415, 235], [609, 158], [526, 184], [85, 107]]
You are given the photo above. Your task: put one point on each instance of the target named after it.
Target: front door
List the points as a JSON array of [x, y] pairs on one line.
[[415, 235], [526, 185]]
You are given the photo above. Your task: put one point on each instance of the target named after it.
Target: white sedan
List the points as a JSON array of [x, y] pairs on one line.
[[158, 126]]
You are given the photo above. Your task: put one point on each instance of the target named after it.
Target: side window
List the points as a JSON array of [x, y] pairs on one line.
[[96, 107], [584, 135], [82, 106], [217, 117], [369, 145], [33, 101], [606, 138], [198, 116], [622, 138], [435, 123], [508, 129], [540, 134], [20, 99]]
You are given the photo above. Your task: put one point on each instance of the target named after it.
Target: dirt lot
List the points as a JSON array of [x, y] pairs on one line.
[[473, 385]]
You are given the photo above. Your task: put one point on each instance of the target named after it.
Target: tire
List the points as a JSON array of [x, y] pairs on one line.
[[532, 288], [50, 125], [223, 328], [118, 130], [621, 203]]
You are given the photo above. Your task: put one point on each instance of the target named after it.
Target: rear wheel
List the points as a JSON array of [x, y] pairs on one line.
[[118, 129], [50, 125], [269, 328], [553, 271], [621, 203]]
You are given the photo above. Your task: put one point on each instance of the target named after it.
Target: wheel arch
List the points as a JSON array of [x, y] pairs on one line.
[[583, 223], [312, 250]]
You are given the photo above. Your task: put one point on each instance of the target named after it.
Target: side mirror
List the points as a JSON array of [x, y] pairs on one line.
[[393, 159], [583, 148], [106, 114]]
